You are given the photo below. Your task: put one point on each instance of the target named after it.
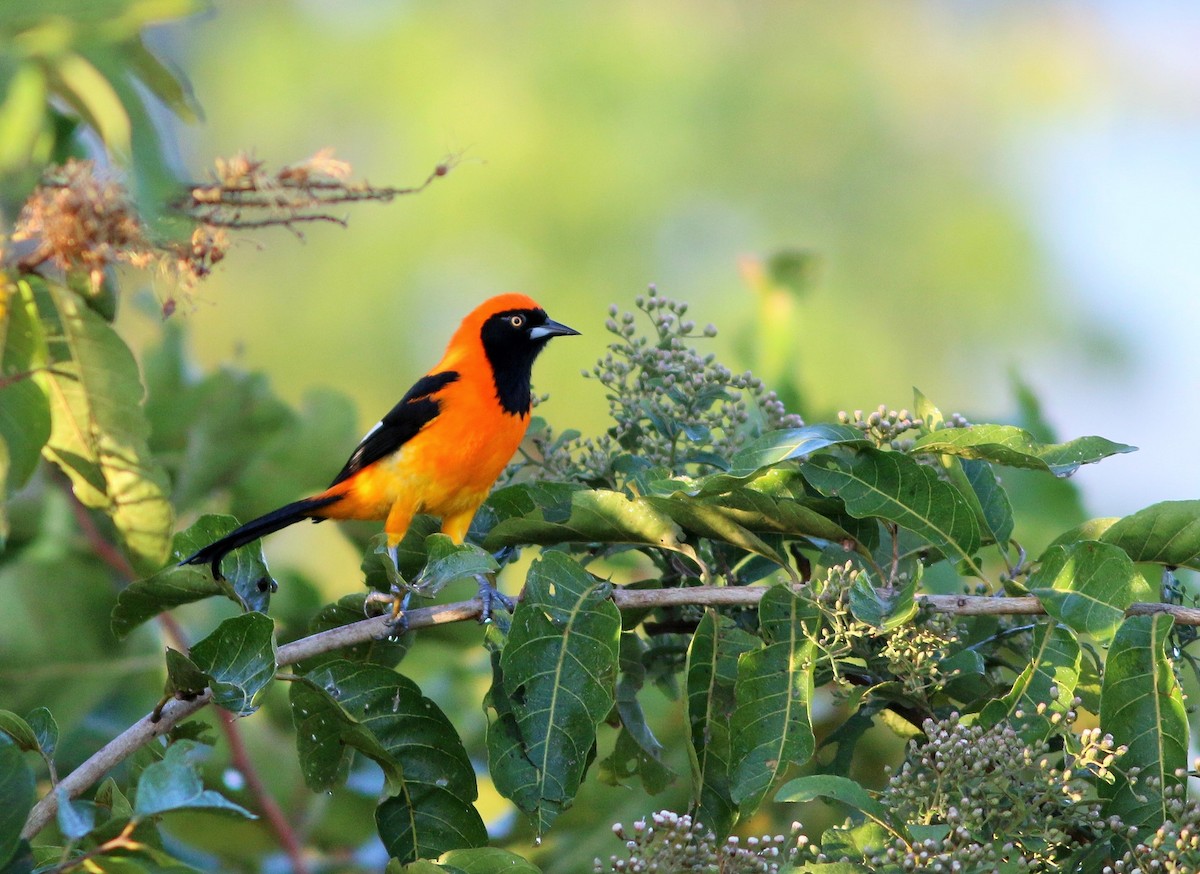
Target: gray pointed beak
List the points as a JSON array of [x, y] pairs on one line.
[[551, 329]]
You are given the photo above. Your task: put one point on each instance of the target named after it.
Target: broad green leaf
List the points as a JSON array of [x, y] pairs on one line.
[[558, 668], [889, 485], [1141, 706], [99, 431], [247, 581], [771, 727], [22, 117], [488, 860], [326, 735], [586, 516], [45, 729], [24, 407], [775, 447], [167, 84], [637, 751], [410, 727], [239, 657], [426, 822], [1050, 678], [997, 513], [430, 780], [841, 789], [75, 818], [18, 789], [712, 666], [174, 784], [1087, 586], [449, 561], [19, 731], [1093, 529], [92, 96], [1015, 447], [1165, 533], [712, 522]]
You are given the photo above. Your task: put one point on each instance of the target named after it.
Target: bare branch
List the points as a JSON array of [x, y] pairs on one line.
[[378, 627]]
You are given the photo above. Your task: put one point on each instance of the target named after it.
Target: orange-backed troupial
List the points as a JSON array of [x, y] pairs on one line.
[[442, 447]]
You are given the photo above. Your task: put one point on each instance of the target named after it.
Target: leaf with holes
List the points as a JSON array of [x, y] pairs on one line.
[[771, 728], [558, 670], [1141, 706], [712, 667]]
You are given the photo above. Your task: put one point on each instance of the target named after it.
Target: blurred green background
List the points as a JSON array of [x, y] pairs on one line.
[[981, 188], [988, 187]]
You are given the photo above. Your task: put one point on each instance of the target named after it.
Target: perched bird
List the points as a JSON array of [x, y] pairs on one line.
[[442, 446]]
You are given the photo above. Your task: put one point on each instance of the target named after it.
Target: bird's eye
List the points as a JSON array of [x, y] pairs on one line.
[[516, 321]]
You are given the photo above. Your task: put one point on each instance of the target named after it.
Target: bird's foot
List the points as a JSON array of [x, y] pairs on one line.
[[491, 596], [398, 602]]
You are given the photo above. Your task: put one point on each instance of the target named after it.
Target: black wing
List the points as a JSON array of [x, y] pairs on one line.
[[416, 410]]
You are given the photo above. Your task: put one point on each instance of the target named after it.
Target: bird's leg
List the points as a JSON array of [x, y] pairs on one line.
[[490, 595]]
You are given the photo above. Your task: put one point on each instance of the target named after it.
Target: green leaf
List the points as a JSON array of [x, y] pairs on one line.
[[582, 516], [995, 508], [558, 667], [326, 735], [184, 679], [882, 606], [247, 581], [45, 729], [24, 407], [19, 731], [488, 860], [174, 784], [99, 431], [1165, 533], [91, 95], [22, 117], [18, 789], [1016, 447], [239, 657], [449, 561], [1050, 678], [426, 822], [1087, 586], [1141, 706], [712, 666], [75, 818], [167, 84], [385, 716], [630, 759], [775, 447], [771, 727], [841, 789], [889, 485]]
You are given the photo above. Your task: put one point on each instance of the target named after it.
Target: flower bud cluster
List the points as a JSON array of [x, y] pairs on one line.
[[671, 406], [668, 843], [1174, 847], [882, 426]]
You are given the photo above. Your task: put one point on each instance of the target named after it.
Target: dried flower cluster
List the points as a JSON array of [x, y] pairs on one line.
[[671, 842], [672, 407], [82, 222]]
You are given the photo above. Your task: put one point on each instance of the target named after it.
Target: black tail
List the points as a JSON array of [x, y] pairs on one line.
[[256, 528]]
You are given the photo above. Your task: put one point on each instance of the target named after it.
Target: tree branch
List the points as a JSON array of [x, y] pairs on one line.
[[144, 731]]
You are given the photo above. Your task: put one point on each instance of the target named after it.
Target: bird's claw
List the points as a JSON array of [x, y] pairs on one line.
[[489, 595], [398, 621]]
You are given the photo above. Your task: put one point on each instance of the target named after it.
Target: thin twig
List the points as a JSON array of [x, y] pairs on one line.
[[378, 627]]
